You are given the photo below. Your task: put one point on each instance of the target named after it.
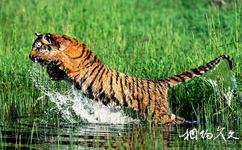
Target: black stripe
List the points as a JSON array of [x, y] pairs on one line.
[[123, 94], [89, 92], [89, 88], [215, 61], [202, 68], [83, 49], [148, 91], [88, 55], [210, 66], [77, 57], [133, 85], [107, 72], [181, 77], [80, 63], [174, 78], [167, 80], [142, 94], [112, 96], [85, 55], [95, 69], [137, 90], [111, 84], [49, 48], [106, 100], [83, 79], [76, 76], [189, 74], [99, 71], [77, 85], [159, 89], [90, 63], [93, 80], [196, 71], [101, 75], [65, 37], [101, 81], [100, 94], [153, 113], [75, 40], [117, 77], [129, 86], [125, 80], [87, 52]]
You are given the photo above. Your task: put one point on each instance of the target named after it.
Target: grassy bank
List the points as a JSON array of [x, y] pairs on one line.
[[151, 39]]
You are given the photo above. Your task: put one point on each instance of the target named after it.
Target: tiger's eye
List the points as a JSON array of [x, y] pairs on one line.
[[38, 45]]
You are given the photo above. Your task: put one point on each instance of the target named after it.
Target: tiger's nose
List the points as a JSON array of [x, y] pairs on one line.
[[34, 57]]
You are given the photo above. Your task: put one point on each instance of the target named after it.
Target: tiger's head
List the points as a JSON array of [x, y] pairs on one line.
[[54, 51]]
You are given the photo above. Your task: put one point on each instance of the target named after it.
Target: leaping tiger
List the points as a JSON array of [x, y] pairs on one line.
[[67, 57]]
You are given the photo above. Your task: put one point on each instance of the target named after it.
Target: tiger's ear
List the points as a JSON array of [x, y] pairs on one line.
[[37, 34], [48, 39]]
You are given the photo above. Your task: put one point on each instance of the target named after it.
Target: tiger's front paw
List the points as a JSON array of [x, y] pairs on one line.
[[172, 119]]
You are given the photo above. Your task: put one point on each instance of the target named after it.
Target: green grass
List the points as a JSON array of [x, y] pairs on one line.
[[151, 39]]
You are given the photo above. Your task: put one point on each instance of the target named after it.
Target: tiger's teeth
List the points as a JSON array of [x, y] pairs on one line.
[[35, 60]]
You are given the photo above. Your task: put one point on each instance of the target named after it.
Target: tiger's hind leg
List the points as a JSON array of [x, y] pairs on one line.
[[166, 117], [160, 107], [162, 113]]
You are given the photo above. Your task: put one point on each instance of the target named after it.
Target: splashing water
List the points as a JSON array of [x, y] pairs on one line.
[[72, 103], [235, 86], [225, 86]]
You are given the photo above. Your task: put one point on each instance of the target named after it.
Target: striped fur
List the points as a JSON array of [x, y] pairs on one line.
[[174, 80], [61, 53]]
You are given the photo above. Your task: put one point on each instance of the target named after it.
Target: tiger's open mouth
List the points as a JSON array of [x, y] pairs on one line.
[[53, 69]]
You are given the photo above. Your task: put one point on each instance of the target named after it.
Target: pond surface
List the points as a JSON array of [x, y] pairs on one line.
[[43, 135]]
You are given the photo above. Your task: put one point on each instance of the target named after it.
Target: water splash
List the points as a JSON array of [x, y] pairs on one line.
[[235, 87], [72, 104], [225, 87]]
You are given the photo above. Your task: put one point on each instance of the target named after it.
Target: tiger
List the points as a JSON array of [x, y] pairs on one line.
[[65, 57]]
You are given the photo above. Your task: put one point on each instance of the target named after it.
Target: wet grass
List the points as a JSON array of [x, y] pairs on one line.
[[143, 38]]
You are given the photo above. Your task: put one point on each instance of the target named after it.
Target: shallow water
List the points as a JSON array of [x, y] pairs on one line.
[[24, 133], [63, 136]]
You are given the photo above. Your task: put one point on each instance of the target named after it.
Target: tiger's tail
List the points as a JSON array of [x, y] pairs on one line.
[[177, 79]]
